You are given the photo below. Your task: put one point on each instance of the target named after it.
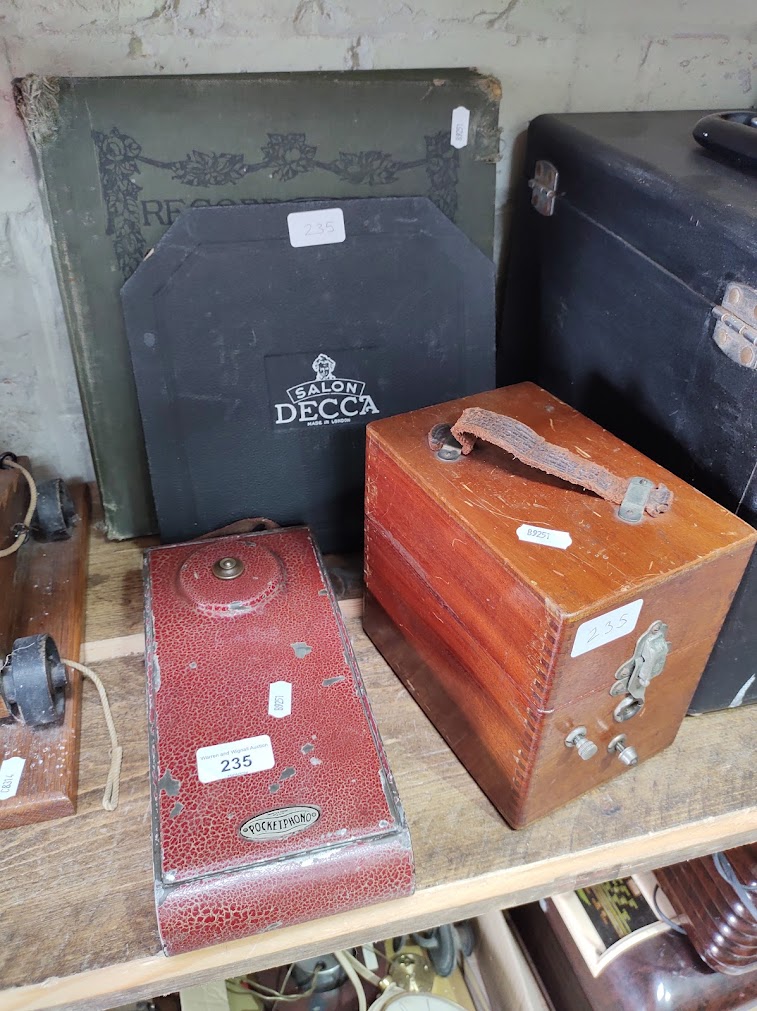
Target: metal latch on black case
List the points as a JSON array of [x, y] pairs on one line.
[[735, 332], [544, 188], [632, 678]]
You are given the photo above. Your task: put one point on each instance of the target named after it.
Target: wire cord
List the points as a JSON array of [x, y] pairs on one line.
[[362, 970], [110, 796], [665, 919], [353, 977], [25, 526]]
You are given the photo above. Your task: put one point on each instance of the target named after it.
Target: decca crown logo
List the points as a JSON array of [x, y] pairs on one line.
[[325, 400]]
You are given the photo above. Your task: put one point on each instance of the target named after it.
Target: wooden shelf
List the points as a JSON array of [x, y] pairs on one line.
[[76, 902]]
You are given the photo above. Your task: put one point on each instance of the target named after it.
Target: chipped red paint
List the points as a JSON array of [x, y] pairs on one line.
[[214, 647]]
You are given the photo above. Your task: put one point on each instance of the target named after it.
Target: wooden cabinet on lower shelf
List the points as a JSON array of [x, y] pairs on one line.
[[78, 921]]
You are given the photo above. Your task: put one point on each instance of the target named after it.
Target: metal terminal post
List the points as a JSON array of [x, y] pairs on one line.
[[625, 752], [577, 739]]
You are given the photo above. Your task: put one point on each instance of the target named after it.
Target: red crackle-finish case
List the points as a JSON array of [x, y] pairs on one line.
[[272, 799]]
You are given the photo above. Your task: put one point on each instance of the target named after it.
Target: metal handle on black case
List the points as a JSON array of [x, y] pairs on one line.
[[633, 495], [731, 135]]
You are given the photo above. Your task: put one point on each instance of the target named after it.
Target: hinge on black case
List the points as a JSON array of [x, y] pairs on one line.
[[544, 188], [735, 332]]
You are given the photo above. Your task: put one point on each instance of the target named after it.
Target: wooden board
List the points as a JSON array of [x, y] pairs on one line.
[[49, 594], [78, 924]]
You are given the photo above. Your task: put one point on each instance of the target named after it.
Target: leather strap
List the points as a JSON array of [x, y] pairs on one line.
[[528, 447], [251, 525]]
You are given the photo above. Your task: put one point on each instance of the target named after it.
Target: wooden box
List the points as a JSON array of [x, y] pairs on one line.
[[520, 610]]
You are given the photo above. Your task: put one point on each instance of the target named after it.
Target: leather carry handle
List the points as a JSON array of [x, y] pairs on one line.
[[528, 447], [251, 525]]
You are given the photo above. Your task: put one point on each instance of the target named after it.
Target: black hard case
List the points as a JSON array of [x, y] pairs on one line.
[[258, 364], [609, 304]]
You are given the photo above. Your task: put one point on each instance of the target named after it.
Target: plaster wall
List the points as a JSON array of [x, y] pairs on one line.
[[569, 55]]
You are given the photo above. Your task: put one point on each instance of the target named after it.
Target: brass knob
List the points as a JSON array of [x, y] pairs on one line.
[[228, 568], [577, 739]]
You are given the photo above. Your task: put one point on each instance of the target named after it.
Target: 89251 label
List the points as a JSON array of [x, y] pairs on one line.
[[459, 131], [235, 758], [541, 535], [280, 699], [606, 628]]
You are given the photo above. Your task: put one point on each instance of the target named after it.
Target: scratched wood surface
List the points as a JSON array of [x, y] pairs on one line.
[[49, 596], [77, 924]]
